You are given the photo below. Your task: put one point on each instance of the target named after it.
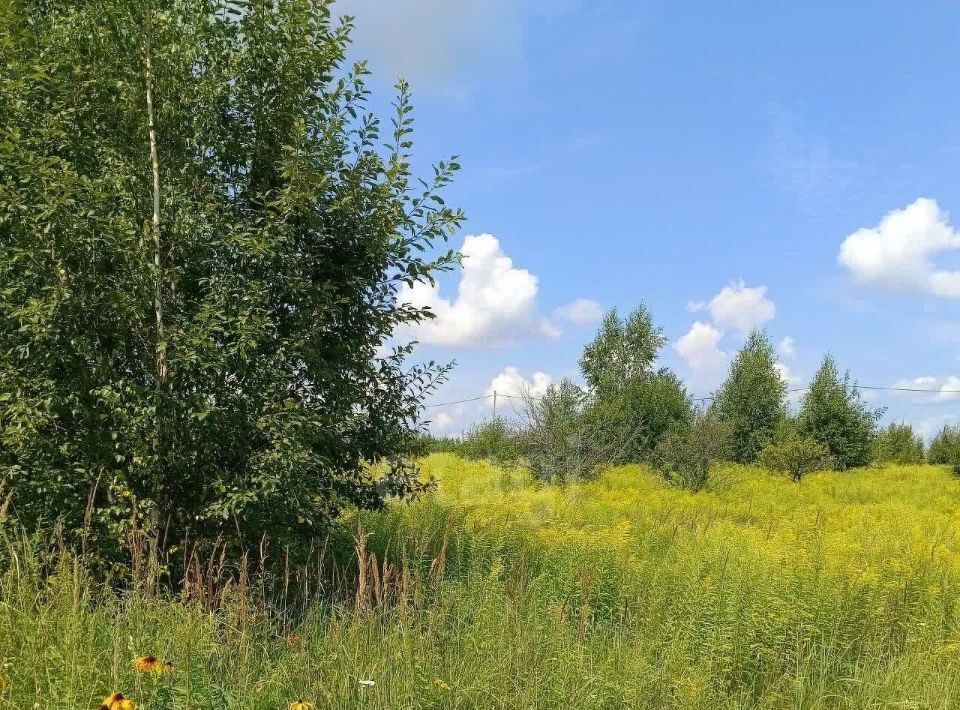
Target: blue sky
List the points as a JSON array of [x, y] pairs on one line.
[[786, 164]]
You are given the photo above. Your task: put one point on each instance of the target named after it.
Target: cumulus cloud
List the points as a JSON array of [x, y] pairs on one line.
[[787, 375], [582, 311], [735, 306], [787, 347], [495, 305], [699, 348], [738, 306], [930, 390], [793, 382], [511, 384], [443, 423], [899, 252]]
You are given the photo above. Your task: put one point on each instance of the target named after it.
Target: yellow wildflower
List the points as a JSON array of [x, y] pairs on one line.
[[117, 701], [442, 684], [301, 704], [152, 664]]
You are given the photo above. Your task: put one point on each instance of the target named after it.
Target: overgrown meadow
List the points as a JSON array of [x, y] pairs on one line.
[[496, 591]]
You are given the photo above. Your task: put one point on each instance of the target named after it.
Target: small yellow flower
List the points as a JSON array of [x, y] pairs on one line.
[[301, 704], [442, 684], [117, 701], [152, 664]]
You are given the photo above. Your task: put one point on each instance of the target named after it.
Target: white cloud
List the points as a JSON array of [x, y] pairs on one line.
[[511, 384], [582, 311], [940, 390], [443, 423], [898, 253], [787, 347], [739, 306], [699, 349], [793, 382], [495, 303], [787, 375]]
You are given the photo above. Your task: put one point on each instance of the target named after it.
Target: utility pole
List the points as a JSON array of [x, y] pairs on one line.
[[494, 404]]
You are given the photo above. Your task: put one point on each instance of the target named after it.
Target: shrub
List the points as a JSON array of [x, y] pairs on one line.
[[834, 413], [752, 400], [945, 447], [561, 443], [685, 455], [430, 444], [796, 456], [497, 440], [898, 444]]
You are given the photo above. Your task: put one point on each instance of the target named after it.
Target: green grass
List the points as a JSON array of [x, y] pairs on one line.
[[496, 592]]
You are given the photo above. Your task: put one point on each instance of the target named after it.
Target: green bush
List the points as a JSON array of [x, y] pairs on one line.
[[796, 456], [498, 440], [686, 454], [945, 447], [898, 443], [562, 443], [430, 444]]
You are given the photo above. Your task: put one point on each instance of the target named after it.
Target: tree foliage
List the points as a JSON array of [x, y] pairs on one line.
[[496, 439], [945, 446], [562, 443], [795, 454], [752, 400], [688, 451], [898, 443], [834, 413], [203, 232], [622, 353], [631, 402]]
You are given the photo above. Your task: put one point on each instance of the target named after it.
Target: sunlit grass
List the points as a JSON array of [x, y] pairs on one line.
[[498, 592]]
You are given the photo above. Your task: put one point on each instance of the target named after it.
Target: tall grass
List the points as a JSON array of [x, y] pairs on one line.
[[499, 592]]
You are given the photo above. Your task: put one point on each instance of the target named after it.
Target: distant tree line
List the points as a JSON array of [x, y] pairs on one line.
[[631, 411]]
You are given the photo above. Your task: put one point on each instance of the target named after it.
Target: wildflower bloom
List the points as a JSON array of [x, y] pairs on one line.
[[152, 664], [116, 701], [443, 685], [301, 704]]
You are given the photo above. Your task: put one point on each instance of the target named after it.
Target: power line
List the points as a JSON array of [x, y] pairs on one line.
[[458, 401], [905, 389], [495, 394]]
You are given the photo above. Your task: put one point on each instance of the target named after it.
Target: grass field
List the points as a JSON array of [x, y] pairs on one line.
[[496, 592]]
